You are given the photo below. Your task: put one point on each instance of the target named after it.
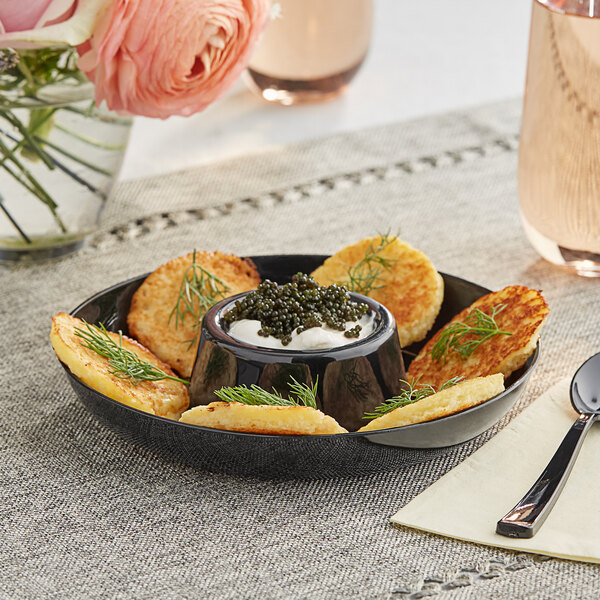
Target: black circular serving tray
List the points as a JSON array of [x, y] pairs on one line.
[[262, 455]]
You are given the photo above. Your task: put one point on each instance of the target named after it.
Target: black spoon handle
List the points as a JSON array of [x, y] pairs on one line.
[[527, 516]]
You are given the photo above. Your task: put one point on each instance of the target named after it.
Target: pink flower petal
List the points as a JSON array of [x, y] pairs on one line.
[[159, 58], [58, 11], [20, 15], [42, 23]]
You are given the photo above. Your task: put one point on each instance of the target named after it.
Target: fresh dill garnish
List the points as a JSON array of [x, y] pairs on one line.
[[367, 275], [304, 395], [124, 364], [199, 290], [477, 324], [413, 393]]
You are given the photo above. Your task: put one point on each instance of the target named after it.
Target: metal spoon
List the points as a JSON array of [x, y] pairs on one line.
[[524, 520]]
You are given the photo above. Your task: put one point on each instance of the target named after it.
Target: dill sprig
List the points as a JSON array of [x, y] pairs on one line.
[[199, 290], [305, 395], [123, 363], [366, 276], [478, 324], [413, 393]]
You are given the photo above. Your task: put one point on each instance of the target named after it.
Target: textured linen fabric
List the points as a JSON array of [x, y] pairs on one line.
[[86, 514]]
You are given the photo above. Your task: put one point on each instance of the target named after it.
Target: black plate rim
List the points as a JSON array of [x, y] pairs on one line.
[[531, 363]]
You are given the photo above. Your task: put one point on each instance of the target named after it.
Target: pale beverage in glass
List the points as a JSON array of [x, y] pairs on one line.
[[559, 154], [311, 50]]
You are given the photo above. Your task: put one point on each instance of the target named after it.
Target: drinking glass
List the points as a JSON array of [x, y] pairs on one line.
[[559, 154], [312, 50]]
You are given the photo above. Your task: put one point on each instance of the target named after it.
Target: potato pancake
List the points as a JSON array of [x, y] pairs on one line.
[[164, 397], [393, 273], [523, 315], [446, 402], [280, 420], [150, 318]]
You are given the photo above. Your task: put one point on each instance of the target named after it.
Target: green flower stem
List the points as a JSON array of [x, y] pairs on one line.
[[29, 189], [34, 151], [60, 165], [40, 192], [41, 121], [87, 140], [78, 178], [3, 208], [19, 177], [89, 112], [75, 158], [9, 154], [27, 138], [27, 74]]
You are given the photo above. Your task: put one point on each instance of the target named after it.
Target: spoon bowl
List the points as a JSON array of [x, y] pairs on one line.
[[524, 520], [585, 387]]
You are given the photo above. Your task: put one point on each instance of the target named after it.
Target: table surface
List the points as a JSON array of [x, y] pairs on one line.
[[89, 514], [425, 58]]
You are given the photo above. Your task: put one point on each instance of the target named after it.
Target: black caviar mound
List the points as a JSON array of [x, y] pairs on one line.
[[297, 306]]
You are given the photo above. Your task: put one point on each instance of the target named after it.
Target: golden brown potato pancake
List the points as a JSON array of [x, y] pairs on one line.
[[165, 397], [149, 315], [411, 289], [288, 420], [524, 313], [447, 402]]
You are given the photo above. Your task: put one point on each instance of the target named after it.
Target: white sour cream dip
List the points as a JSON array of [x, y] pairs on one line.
[[315, 338]]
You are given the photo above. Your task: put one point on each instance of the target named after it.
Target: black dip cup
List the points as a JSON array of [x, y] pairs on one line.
[[352, 379]]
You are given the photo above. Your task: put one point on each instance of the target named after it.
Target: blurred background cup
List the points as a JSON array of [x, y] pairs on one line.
[[559, 154], [311, 50]]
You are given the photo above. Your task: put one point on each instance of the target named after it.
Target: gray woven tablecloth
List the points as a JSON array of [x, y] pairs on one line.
[[86, 514]]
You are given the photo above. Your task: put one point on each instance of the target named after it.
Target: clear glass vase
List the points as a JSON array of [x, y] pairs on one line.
[[59, 157]]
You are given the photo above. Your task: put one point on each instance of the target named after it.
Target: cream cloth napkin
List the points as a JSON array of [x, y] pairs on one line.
[[467, 502]]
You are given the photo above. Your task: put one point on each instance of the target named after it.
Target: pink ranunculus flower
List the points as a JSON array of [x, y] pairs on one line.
[[159, 58], [41, 23]]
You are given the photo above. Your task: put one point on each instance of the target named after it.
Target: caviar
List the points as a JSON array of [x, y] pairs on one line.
[[298, 306], [353, 333]]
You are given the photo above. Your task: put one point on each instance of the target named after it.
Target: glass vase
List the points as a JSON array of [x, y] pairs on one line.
[[60, 155]]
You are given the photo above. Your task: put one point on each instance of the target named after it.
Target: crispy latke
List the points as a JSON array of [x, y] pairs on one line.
[[165, 397], [288, 420], [151, 306], [524, 313], [411, 289], [447, 402]]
